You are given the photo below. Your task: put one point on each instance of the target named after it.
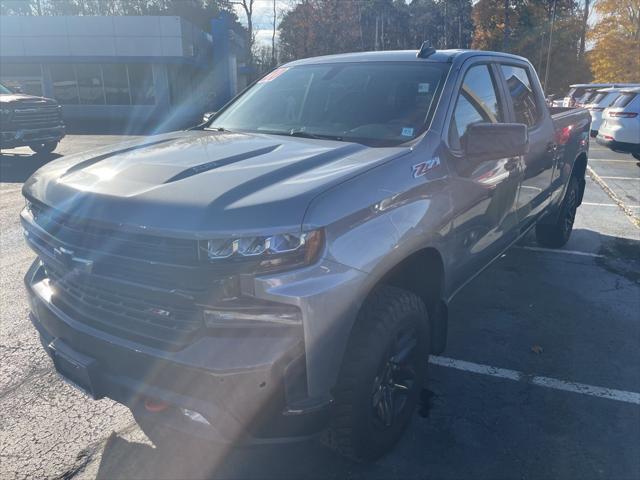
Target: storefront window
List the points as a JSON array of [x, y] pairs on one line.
[[24, 77], [111, 83], [141, 84], [90, 84], [65, 85], [116, 84], [180, 87]]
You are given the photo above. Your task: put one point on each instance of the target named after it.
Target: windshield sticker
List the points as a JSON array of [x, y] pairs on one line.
[[423, 88], [407, 132], [421, 169], [273, 75]]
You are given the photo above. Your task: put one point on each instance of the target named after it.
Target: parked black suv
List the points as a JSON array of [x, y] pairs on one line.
[[29, 120]]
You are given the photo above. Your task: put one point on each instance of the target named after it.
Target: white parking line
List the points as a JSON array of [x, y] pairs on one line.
[[547, 382], [593, 204], [568, 252], [635, 221], [619, 178], [611, 160]]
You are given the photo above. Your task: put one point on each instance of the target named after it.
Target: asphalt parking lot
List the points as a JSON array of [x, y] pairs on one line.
[[541, 377]]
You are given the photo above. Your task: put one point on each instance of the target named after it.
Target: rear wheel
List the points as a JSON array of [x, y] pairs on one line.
[[556, 235], [46, 147], [381, 376]]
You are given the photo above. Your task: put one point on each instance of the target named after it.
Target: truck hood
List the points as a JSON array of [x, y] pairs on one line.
[[11, 99], [202, 183]]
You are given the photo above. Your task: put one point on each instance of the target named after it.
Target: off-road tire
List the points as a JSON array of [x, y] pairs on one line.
[[46, 147], [556, 235], [353, 431]]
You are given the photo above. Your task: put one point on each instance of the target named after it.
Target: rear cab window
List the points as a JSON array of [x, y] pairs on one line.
[[525, 103]]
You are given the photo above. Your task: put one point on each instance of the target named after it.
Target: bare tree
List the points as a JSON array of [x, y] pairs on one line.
[[247, 6], [273, 36], [583, 34], [507, 31]]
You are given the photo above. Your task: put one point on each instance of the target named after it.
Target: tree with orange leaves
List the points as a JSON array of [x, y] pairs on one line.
[[615, 56]]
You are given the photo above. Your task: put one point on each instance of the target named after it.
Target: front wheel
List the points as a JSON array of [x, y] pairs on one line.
[[46, 147], [382, 375], [556, 235]]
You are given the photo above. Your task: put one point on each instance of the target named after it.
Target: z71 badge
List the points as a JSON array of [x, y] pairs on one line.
[[421, 169]]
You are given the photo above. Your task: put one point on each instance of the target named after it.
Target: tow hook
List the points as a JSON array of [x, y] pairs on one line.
[[155, 406]]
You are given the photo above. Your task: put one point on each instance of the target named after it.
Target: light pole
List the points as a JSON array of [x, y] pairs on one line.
[[546, 70]]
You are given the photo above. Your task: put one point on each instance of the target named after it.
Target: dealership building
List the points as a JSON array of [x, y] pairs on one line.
[[159, 69]]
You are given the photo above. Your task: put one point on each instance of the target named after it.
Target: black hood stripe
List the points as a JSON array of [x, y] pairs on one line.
[[205, 167], [99, 158]]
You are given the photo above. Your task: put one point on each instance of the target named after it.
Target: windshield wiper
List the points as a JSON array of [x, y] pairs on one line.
[[305, 134]]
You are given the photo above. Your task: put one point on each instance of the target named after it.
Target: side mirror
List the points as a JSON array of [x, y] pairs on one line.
[[492, 141], [208, 116]]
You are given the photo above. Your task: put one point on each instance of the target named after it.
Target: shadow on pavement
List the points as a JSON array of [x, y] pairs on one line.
[[124, 459], [17, 167]]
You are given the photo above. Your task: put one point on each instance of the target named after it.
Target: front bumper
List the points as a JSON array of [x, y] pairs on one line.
[[241, 386], [18, 138]]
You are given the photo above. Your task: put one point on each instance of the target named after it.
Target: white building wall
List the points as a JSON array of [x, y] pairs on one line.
[[93, 36]]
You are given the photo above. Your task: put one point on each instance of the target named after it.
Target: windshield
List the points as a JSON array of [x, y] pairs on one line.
[[4, 90], [576, 92], [377, 104], [586, 97], [623, 100]]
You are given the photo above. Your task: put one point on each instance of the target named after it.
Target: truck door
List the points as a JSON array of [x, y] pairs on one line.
[[485, 192], [526, 106]]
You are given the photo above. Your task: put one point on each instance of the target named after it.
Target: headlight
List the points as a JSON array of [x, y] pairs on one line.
[[273, 252]]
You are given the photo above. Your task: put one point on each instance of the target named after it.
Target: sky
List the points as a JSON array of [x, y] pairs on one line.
[[263, 18]]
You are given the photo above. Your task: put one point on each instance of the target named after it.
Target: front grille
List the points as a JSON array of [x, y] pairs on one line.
[[84, 235], [163, 321], [135, 286], [36, 116]]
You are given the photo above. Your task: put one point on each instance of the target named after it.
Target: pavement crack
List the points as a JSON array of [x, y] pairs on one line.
[[627, 211], [33, 375], [86, 455]]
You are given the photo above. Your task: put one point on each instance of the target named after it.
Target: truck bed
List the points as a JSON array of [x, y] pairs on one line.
[[566, 116]]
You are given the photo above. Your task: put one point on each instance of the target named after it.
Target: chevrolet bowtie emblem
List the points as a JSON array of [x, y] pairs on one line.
[[68, 258]]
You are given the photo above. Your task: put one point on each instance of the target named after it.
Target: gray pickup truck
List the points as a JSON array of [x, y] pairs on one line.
[[284, 269], [29, 120]]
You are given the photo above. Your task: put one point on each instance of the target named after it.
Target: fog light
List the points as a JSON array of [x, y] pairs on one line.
[[155, 406]]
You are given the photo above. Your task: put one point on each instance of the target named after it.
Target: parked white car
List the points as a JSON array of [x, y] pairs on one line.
[[620, 129], [603, 99], [577, 91]]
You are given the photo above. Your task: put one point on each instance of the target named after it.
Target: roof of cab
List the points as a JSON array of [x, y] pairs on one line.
[[440, 56]]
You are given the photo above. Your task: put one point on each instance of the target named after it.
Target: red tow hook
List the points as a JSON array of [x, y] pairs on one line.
[[155, 406]]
